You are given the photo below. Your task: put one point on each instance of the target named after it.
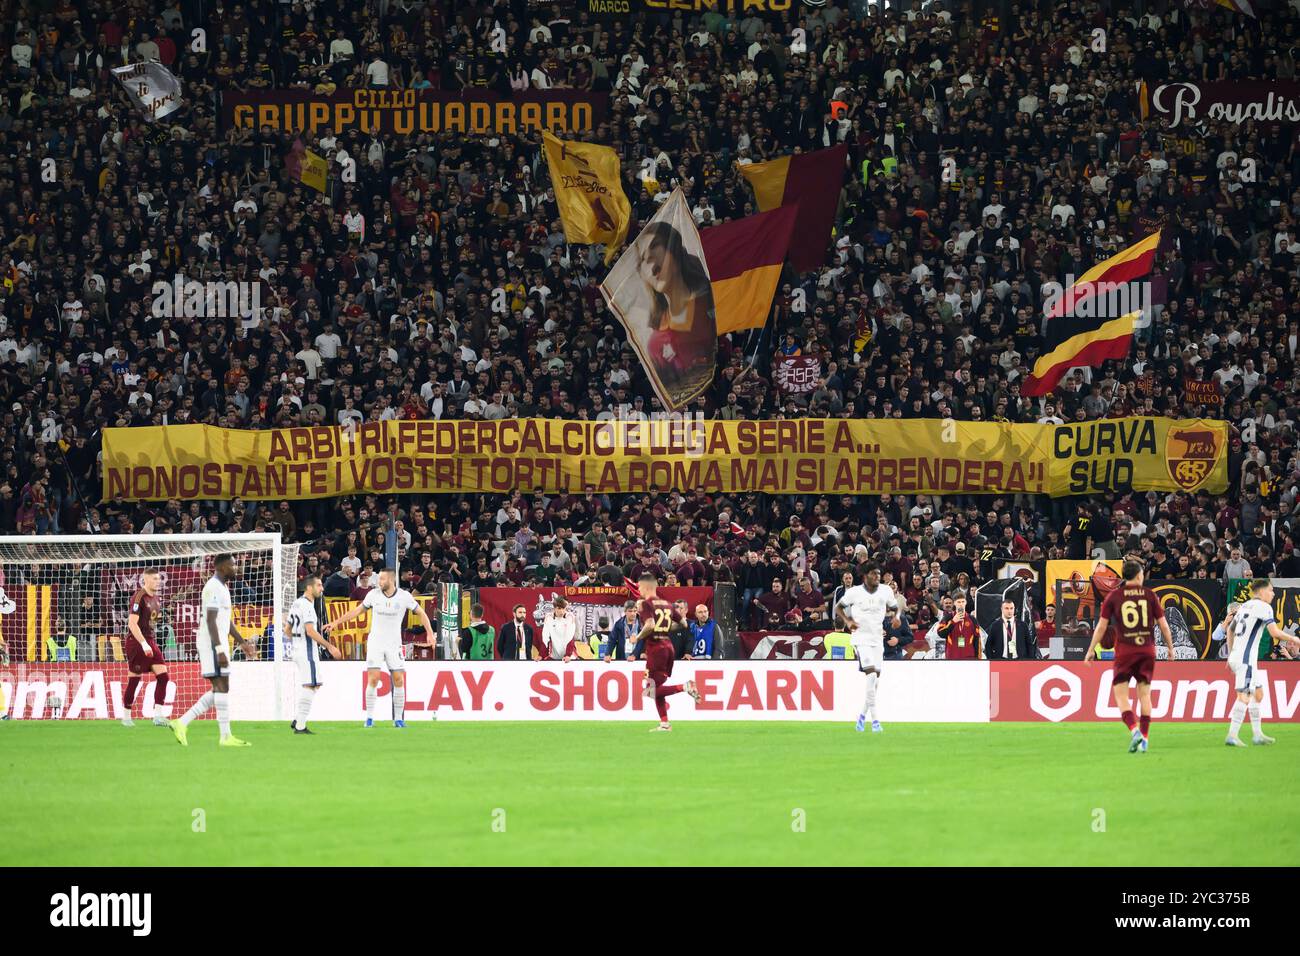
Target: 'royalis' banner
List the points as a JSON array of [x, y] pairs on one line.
[[1236, 102]]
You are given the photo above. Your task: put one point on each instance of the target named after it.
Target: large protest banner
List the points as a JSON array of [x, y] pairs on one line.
[[413, 111], [830, 456]]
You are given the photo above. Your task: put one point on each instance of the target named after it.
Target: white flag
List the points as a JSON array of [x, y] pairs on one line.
[[152, 87]]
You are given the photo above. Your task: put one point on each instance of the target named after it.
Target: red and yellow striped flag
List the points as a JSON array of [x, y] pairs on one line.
[[1127, 266], [1238, 6], [811, 181], [1081, 334], [744, 258]]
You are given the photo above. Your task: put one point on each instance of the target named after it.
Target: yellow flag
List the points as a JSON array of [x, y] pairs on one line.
[[589, 192], [314, 170]]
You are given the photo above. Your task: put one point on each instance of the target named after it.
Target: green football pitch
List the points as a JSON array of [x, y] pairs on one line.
[[81, 793]]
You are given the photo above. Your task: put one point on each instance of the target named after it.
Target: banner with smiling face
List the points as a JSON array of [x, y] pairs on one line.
[[661, 293]]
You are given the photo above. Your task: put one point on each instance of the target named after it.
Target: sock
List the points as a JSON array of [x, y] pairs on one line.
[[199, 709], [1129, 720], [305, 696], [1238, 715], [661, 699], [869, 706], [667, 690], [160, 708], [223, 713], [128, 698], [1144, 724], [371, 694], [399, 702], [1256, 725]]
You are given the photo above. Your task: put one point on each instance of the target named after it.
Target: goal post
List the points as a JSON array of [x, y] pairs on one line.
[[64, 604]]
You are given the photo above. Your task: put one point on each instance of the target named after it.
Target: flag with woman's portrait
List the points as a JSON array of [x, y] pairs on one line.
[[661, 293]]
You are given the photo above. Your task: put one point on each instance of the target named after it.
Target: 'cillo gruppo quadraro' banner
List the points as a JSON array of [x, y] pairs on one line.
[[819, 456]]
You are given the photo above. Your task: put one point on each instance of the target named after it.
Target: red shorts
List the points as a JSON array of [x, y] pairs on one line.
[[136, 659], [659, 657], [1133, 664]]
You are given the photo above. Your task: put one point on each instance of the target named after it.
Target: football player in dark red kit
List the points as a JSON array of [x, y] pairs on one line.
[[142, 652], [1134, 611], [658, 620]]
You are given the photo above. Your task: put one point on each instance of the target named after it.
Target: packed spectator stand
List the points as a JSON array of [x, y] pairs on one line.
[[379, 297]]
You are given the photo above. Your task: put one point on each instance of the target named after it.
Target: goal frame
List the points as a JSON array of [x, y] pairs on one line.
[[270, 540]]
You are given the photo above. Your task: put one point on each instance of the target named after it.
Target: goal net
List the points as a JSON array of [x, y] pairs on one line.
[[65, 601]]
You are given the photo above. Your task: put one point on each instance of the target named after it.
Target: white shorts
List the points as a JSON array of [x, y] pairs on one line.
[[209, 666], [384, 654], [306, 660], [1249, 677], [869, 655]]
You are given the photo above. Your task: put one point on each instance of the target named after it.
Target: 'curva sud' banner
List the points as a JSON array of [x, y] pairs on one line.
[[826, 456], [1183, 691], [404, 112]]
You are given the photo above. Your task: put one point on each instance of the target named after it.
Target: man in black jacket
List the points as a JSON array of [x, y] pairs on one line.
[[1011, 638], [898, 634], [516, 635]]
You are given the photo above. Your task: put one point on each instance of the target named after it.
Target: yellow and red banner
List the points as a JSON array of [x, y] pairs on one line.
[[1125, 266], [744, 258], [811, 182], [814, 456], [1080, 332]]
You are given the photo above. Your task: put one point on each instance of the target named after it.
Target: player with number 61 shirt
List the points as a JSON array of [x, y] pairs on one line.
[[1134, 612]]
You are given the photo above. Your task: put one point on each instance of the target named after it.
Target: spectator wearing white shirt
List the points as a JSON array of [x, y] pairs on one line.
[[1063, 212], [995, 208], [558, 630], [341, 49], [377, 72]]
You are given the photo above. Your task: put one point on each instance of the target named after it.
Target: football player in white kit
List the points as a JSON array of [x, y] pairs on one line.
[[388, 605], [864, 608], [304, 629], [214, 654], [1252, 620]]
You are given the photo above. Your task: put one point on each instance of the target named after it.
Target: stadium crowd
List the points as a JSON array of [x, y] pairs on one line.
[[439, 284]]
